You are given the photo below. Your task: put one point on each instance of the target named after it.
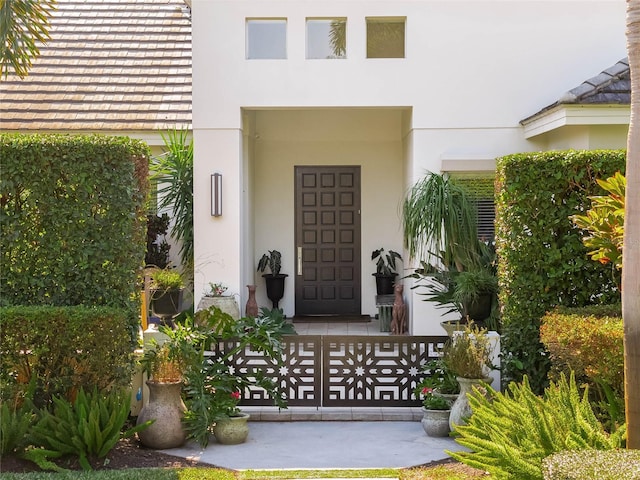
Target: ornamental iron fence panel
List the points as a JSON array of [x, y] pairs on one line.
[[332, 370]]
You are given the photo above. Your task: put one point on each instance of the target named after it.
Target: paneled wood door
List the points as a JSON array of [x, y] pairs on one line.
[[327, 240]]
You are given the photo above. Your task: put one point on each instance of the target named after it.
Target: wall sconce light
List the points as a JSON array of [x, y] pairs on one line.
[[216, 195]]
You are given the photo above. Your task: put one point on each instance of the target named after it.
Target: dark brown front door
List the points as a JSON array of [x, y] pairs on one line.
[[327, 240]]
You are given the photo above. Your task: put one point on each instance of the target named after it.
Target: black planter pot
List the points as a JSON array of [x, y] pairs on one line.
[[166, 304], [385, 283], [275, 287], [480, 309]]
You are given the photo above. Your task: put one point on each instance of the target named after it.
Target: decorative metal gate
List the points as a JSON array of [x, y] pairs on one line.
[[354, 371]]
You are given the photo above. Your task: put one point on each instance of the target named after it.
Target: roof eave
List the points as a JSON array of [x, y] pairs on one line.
[[566, 114]]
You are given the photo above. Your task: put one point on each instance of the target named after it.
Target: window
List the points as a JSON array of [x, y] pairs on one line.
[[481, 190], [385, 37], [267, 38], [326, 38]]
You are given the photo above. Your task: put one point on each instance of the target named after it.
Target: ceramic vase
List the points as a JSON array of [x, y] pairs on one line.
[[232, 430], [461, 410], [435, 422], [167, 409], [251, 309]]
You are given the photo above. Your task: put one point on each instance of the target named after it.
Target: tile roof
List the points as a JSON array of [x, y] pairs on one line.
[[109, 65], [611, 87]]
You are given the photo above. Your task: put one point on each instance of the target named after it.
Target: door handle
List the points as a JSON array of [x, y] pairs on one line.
[[299, 260]]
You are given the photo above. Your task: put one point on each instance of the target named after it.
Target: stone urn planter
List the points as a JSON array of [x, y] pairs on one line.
[[167, 409], [461, 410], [435, 422], [232, 430], [227, 304]]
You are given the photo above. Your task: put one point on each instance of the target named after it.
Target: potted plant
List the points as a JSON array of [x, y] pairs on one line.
[[216, 295], [166, 364], [385, 270], [166, 292], [275, 279], [468, 356], [213, 387], [436, 410], [457, 268]]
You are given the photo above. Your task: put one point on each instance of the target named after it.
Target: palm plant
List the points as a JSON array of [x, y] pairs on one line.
[[173, 171], [23, 25], [440, 222]]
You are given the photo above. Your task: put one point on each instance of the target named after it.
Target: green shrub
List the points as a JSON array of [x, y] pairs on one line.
[[72, 212], [543, 262], [593, 465], [17, 415], [63, 348], [509, 434], [589, 342], [87, 428]]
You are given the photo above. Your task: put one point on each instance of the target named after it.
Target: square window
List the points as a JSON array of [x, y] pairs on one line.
[[267, 38], [385, 37], [326, 38]]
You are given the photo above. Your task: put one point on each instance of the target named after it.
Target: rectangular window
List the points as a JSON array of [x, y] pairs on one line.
[[385, 37], [481, 191], [326, 38], [267, 38]]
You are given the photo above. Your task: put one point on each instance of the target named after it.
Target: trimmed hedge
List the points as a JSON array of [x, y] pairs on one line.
[[542, 260], [64, 348], [73, 220]]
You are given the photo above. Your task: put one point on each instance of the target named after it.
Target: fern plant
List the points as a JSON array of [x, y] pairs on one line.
[[15, 422], [509, 434], [87, 428]]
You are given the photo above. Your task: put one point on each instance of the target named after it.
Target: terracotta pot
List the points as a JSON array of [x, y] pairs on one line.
[[232, 430], [167, 409], [435, 422], [461, 410]]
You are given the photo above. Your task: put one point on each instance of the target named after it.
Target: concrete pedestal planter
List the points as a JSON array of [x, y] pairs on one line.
[[227, 304], [436, 422], [461, 410]]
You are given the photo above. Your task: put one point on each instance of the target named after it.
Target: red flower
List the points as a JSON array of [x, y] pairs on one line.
[[427, 390], [236, 395]]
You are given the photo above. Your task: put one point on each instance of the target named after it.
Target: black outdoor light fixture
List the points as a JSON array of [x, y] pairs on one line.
[[216, 195]]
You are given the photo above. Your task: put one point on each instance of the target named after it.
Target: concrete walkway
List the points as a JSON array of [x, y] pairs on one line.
[[327, 444]]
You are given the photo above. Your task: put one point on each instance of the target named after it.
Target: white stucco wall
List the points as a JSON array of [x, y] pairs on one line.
[[473, 70]]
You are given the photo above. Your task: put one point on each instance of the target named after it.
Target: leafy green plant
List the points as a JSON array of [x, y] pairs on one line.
[[439, 222], [439, 378], [385, 262], [468, 353], [273, 260], [213, 387], [166, 279], [509, 434], [17, 415], [87, 428], [173, 171], [432, 401], [604, 222]]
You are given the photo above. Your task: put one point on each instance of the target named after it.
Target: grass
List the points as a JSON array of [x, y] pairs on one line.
[[442, 472]]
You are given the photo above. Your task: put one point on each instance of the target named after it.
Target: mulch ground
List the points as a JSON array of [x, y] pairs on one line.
[[126, 454]]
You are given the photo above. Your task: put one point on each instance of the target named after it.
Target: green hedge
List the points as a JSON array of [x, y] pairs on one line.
[[64, 348], [73, 220], [542, 261]]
